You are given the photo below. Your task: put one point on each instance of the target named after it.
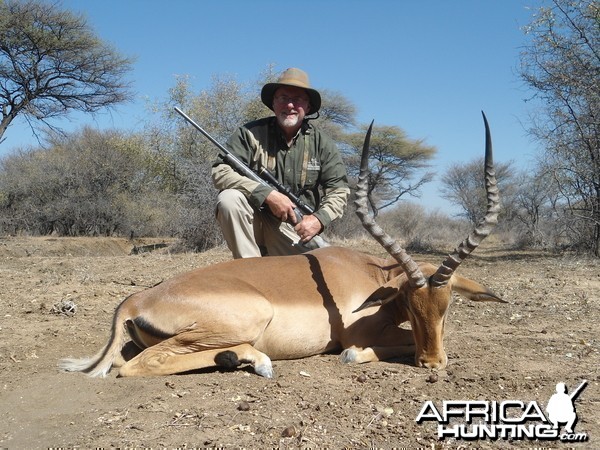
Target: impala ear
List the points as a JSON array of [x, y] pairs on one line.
[[474, 291], [384, 294]]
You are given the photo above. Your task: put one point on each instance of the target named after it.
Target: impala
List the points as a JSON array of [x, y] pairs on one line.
[[252, 311]]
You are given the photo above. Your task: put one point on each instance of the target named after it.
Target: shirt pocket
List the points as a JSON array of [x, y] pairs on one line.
[[313, 171]]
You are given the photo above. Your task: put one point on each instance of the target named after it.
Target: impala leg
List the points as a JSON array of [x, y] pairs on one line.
[[162, 359], [372, 354], [377, 338], [245, 354]]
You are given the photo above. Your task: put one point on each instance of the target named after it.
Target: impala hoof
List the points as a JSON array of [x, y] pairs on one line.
[[349, 356], [264, 370]]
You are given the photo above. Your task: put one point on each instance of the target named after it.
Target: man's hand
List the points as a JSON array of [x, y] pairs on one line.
[[308, 228], [281, 207]]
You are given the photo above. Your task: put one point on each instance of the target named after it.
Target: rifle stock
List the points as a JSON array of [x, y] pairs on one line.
[[264, 177]]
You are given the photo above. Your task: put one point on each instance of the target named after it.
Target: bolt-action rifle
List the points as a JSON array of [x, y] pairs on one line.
[[262, 176]]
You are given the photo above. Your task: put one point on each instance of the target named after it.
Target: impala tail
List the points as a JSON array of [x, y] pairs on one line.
[[100, 364]]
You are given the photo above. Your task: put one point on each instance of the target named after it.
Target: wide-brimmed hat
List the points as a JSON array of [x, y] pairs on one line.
[[291, 77]]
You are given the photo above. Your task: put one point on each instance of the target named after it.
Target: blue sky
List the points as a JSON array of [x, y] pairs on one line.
[[428, 67]]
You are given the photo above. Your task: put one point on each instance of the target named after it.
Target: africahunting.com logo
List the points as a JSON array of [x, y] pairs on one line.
[[508, 419]]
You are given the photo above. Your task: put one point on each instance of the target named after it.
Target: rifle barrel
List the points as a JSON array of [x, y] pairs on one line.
[[201, 130], [226, 155], [577, 391]]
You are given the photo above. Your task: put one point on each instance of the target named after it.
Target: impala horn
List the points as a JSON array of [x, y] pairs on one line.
[[484, 227], [410, 267]]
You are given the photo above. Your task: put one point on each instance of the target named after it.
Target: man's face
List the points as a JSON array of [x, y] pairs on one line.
[[290, 105]]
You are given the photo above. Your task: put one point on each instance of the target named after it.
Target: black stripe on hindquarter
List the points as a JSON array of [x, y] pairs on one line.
[[140, 325]]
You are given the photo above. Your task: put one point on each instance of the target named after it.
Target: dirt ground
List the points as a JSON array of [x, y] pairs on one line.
[[57, 298]]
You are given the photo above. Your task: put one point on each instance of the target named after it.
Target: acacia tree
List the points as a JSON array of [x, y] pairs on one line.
[[562, 65], [394, 164], [464, 185], [336, 115], [533, 200], [51, 63]]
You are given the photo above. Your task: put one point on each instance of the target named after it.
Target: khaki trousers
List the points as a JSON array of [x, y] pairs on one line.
[[247, 230]]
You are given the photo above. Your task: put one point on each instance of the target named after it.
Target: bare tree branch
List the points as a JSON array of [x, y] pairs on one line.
[[51, 63]]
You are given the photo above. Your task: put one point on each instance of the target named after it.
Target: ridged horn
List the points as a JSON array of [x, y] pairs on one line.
[[483, 228], [410, 267]]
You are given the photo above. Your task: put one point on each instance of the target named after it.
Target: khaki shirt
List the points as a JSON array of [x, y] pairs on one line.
[[311, 167]]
